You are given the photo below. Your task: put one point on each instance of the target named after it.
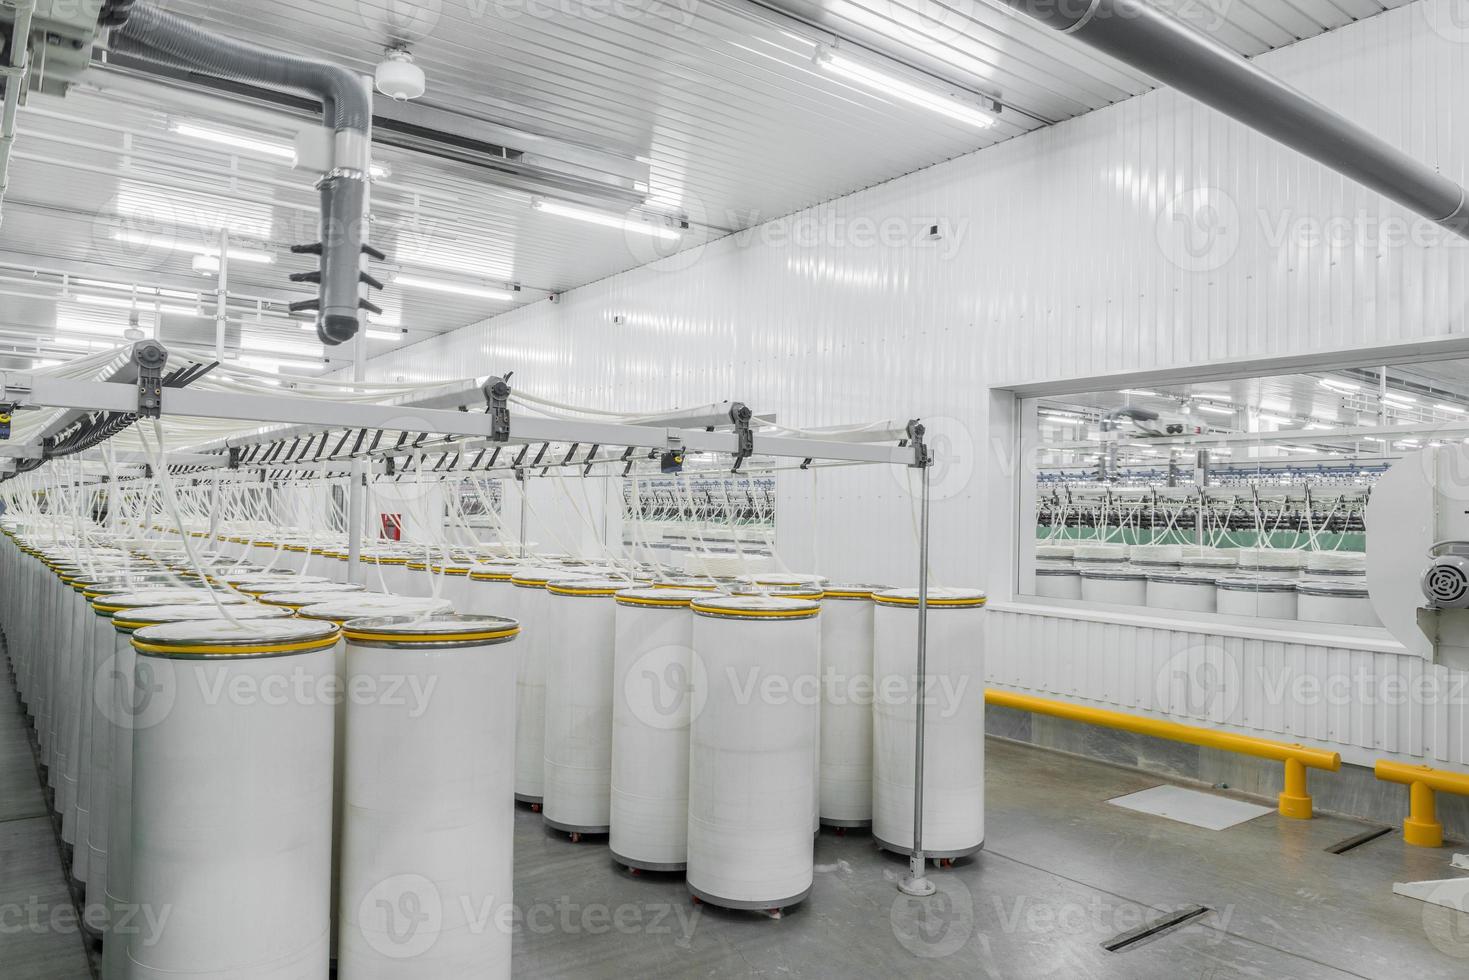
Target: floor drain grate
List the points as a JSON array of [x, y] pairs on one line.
[[1352, 843], [1157, 927]]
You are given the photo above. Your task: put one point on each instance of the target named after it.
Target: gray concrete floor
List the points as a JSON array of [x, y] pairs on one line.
[[40, 938], [1063, 871]]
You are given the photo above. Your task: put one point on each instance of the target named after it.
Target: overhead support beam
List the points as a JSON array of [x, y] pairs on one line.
[[1182, 57], [48, 392]]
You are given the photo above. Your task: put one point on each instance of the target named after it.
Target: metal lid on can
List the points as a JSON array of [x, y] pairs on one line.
[[177, 595], [755, 608], [937, 598], [1116, 573], [783, 579], [698, 584], [367, 605], [539, 576], [854, 591], [813, 592], [493, 570], [220, 638], [128, 620], [264, 585], [1248, 583], [658, 597], [436, 631], [310, 597], [1208, 561], [1333, 588], [587, 586], [1183, 578]]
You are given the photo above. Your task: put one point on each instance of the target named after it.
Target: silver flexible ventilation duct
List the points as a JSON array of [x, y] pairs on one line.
[[1177, 55], [161, 37]]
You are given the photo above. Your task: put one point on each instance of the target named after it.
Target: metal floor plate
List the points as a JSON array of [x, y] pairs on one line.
[[1206, 810]]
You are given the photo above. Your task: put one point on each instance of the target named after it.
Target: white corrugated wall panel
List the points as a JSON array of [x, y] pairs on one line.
[[1364, 704], [1060, 257]]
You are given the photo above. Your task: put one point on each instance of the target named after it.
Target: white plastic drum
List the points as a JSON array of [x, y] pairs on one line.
[[339, 609], [1091, 555], [429, 820], [1264, 598], [1271, 562], [1119, 585], [845, 798], [752, 750], [1345, 602], [651, 678], [490, 591], [1337, 564], [125, 705], [232, 801], [1058, 583], [533, 610], [1182, 591], [953, 765], [1218, 564], [581, 636], [1054, 554], [1157, 557]]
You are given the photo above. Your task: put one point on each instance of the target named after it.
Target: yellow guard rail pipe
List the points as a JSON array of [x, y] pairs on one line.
[[1422, 828], [1295, 801]]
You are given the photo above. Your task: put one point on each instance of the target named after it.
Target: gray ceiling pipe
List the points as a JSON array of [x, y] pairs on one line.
[[1162, 46], [162, 37]]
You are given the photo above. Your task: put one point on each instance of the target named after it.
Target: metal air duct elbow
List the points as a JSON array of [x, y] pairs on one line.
[[150, 33], [1160, 45]]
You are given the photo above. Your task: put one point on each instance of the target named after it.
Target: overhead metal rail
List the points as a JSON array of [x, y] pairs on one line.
[[317, 417]]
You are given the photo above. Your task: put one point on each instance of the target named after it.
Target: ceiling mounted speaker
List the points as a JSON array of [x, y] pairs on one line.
[[398, 77]]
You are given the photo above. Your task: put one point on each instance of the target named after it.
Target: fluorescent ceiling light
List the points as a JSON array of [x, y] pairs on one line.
[[1342, 387], [454, 288], [237, 140], [1139, 392], [172, 245], [241, 141], [908, 92], [139, 290], [371, 334], [1215, 410], [1457, 410], [634, 225], [1277, 419], [149, 305], [1399, 399], [70, 327]]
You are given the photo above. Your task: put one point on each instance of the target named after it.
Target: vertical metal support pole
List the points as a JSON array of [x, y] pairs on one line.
[[221, 302], [357, 489], [523, 487], [917, 882], [1382, 407], [214, 512]]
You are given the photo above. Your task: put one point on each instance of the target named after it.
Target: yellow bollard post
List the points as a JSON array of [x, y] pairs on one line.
[[1422, 828], [1295, 800]]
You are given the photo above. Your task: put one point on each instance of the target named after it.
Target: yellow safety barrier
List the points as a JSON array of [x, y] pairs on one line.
[[1295, 801], [1422, 828]]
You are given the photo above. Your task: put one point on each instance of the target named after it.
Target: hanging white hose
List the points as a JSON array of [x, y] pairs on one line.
[[160, 473]]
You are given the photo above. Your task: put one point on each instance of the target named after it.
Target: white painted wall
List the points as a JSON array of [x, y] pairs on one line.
[[1151, 234]]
